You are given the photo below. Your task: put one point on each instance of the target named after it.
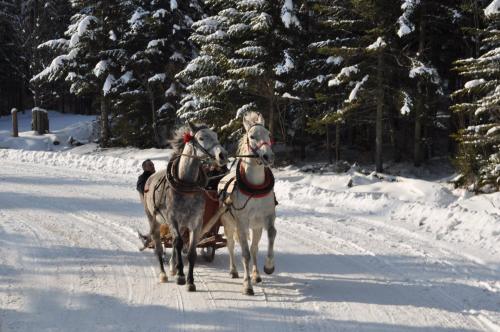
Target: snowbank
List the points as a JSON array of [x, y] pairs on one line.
[[62, 127], [428, 208]]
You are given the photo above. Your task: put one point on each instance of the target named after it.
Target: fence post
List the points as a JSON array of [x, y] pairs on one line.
[[15, 127]]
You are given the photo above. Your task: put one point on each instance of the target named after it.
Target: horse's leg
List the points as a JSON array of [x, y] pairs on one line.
[[229, 231], [271, 235], [245, 253], [155, 235], [172, 262], [177, 247], [254, 250], [193, 242]]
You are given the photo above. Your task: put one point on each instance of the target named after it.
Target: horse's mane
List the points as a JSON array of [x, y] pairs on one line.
[[177, 140], [242, 145]]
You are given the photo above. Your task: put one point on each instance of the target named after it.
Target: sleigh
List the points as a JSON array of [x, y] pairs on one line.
[[211, 238]]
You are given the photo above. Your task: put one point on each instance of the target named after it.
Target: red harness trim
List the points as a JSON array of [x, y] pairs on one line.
[[266, 183]]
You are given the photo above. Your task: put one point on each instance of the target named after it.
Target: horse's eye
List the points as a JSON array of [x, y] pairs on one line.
[[252, 137], [201, 139]]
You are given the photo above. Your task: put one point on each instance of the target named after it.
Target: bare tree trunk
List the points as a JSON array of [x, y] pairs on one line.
[[154, 118], [271, 112], [419, 105], [337, 141], [328, 145], [104, 122], [380, 110], [417, 153]]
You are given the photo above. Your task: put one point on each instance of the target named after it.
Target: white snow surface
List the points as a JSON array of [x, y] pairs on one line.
[[389, 253]]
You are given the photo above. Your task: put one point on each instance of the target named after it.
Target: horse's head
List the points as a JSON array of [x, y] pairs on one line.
[[206, 144], [258, 138]]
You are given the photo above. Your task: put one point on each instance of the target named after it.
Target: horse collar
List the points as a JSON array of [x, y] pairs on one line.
[[254, 191], [182, 186]]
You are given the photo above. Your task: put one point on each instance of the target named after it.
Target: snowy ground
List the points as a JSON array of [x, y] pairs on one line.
[[392, 254]]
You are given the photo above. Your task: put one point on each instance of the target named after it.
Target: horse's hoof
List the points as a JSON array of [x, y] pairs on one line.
[[268, 270], [163, 277], [234, 274], [181, 280], [191, 288], [256, 280], [248, 291]]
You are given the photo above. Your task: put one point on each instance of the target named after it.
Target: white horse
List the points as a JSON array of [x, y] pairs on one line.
[[251, 205]]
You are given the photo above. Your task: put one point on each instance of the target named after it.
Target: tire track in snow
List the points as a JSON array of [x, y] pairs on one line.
[[315, 234]]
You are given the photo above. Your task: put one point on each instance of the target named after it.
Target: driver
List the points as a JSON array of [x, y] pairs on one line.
[[149, 168]]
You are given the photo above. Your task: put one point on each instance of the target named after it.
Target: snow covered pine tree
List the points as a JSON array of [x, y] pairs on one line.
[[479, 150], [241, 44]]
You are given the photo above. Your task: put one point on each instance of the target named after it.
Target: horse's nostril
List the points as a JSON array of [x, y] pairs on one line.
[[266, 157], [221, 156]]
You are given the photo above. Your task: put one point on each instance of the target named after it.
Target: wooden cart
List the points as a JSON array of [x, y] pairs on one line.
[[211, 238]]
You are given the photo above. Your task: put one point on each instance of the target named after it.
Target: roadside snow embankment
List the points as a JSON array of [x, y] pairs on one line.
[[114, 161], [63, 129], [425, 208]]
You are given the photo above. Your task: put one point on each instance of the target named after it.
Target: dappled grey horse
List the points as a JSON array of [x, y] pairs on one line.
[[176, 196]]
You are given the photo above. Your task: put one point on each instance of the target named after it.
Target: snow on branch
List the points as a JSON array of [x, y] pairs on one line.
[[405, 25], [379, 43], [288, 16], [354, 93], [493, 8], [286, 66]]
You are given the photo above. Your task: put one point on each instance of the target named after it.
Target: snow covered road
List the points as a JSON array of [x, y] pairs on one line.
[[69, 261]]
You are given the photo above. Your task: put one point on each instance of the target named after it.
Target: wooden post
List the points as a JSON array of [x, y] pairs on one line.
[[39, 121], [15, 127], [34, 113]]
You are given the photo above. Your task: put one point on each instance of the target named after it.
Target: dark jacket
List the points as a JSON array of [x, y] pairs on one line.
[[141, 181]]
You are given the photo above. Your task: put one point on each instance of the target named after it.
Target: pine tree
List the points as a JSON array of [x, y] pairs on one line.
[[157, 42], [479, 142], [369, 77], [429, 32], [241, 45], [10, 68], [92, 54], [326, 28], [47, 21]]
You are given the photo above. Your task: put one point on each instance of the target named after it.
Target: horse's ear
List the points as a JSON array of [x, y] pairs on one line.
[[260, 119]]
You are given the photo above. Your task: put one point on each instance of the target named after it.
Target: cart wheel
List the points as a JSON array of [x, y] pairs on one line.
[[208, 253]]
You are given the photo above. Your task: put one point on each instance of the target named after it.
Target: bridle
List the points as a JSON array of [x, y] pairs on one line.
[[191, 139], [255, 149]]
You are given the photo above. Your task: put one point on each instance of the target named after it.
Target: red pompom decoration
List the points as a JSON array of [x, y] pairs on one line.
[[187, 137]]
